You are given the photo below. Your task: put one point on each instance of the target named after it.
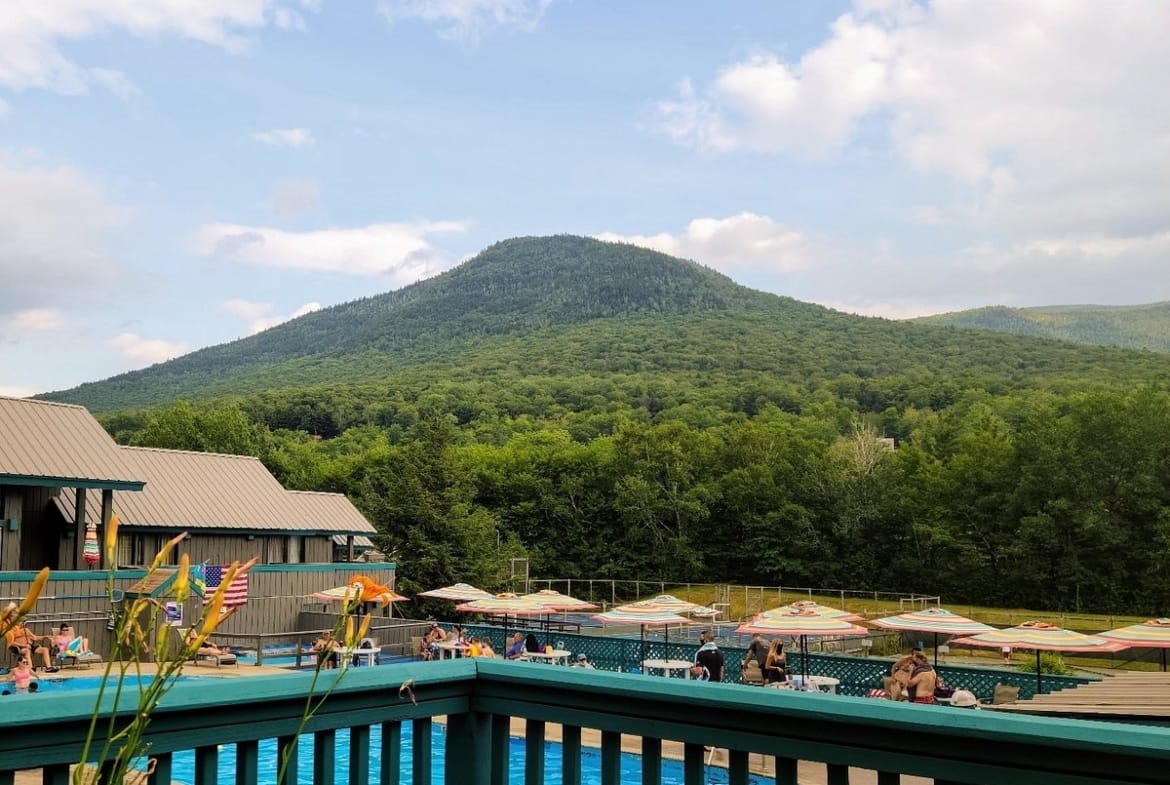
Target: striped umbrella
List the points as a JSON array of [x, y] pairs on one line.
[[671, 603], [1151, 634], [806, 608], [803, 620], [936, 620], [459, 592], [562, 602], [506, 604], [91, 552], [644, 615], [1041, 636]]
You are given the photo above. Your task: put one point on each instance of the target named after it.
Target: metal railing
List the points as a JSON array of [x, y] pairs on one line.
[[378, 708]]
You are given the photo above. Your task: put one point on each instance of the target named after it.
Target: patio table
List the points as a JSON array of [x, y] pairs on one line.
[[667, 667]]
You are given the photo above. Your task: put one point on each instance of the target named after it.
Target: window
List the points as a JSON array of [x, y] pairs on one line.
[[139, 550], [286, 550]]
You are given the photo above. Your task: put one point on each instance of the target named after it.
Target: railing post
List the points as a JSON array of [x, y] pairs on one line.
[[786, 771], [286, 749], [611, 758], [570, 755], [359, 755], [57, 775], [534, 752], [390, 773], [469, 749], [206, 766], [737, 767], [651, 761], [501, 741], [324, 757], [693, 764], [247, 765], [420, 734]]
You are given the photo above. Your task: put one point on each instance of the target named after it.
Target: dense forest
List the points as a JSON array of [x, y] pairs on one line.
[[610, 412], [1128, 326]]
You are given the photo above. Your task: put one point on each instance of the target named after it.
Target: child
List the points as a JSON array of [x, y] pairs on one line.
[[22, 675]]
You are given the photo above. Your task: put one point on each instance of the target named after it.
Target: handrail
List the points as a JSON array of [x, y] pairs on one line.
[[479, 696]]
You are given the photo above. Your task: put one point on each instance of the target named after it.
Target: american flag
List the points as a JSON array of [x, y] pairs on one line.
[[237, 591]]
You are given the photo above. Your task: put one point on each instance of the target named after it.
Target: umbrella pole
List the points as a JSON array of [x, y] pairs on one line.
[[936, 651], [804, 659], [1037, 671], [1163, 660], [666, 642]]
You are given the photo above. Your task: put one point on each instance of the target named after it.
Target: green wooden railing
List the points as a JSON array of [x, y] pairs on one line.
[[479, 699]]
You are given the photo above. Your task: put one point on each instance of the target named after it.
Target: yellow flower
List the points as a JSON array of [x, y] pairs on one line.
[[183, 579], [166, 550], [112, 538], [34, 592]]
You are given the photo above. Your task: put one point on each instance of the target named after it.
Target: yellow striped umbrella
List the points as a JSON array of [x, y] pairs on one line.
[[459, 592], [506, 603], [804, 620], [936, 620], [1151, 634], [1041, 636]]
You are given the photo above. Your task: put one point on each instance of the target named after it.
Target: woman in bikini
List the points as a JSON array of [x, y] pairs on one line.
[[22, 675]]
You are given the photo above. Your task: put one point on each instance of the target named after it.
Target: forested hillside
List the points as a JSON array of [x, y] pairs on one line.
[[610, 412], [1131, 327]]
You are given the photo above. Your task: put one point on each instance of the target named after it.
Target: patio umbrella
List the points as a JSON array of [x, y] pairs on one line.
[[90, 550], [1152, 634], [663, 602], [341, 593], [803, 621], [936, 620], [644, 616], [560, 602], [506, 603], [459, 592], [1041, 636]]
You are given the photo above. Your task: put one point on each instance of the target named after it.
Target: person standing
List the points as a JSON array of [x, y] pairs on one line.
[[757, 650], [709, 656]]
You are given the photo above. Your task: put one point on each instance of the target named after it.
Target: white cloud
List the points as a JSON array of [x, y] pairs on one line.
[[32, 33], [141, 351], [292, 197], [259, 315], [37, 319], [55, 224], [286, 137], [467, 21], [1044, 109], [741, 243], [399, 251]]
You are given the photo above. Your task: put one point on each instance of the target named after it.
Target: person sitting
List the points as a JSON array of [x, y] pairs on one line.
[[21, 675], [325, 647], [531, 643], [207, 648], [516, 649], [583, 662], [473, 648], [776, 664], [485, 648], [923, 680], [25, 645], [69, 645]]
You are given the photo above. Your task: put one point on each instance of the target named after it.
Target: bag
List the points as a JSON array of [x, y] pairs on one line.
[[944, 691]]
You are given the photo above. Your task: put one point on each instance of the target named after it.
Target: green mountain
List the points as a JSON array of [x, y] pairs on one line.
[[620, 321], [1130, 326]]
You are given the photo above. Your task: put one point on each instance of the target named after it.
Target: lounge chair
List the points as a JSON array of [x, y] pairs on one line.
[[71, 656], [222, 658], [752, 674]]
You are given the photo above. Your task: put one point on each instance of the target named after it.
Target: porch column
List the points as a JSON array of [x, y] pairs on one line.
[[107, 512], [79, 527], [349, 547]]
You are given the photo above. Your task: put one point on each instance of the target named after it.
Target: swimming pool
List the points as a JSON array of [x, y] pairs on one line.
[[183, 763], [50, 685]]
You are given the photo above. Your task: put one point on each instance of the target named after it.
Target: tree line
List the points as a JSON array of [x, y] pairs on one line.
[[1033, 498]]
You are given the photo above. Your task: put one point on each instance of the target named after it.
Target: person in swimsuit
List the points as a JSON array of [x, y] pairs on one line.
[[775, 664], [22, 675], [923, 681]]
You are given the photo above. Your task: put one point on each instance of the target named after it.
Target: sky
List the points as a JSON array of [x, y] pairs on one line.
[[175, 174]]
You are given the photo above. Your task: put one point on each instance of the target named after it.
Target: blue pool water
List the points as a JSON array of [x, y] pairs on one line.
[[183, 763], [78, 683]]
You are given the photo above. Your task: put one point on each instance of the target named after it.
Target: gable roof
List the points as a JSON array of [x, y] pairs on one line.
[[58, 444], [212, 491]]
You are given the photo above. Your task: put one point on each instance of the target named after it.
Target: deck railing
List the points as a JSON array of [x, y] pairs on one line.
[[479, 700]]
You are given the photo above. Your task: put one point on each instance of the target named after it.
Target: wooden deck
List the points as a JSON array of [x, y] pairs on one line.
[[1136, 697]]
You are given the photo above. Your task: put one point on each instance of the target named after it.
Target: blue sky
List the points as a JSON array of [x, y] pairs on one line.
[[175, 174]]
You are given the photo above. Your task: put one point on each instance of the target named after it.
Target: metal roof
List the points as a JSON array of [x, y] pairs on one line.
[[211, 491], [57, 444]]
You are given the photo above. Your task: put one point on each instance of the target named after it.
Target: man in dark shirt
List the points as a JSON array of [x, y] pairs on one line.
[[709, 656], [757, 650]]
